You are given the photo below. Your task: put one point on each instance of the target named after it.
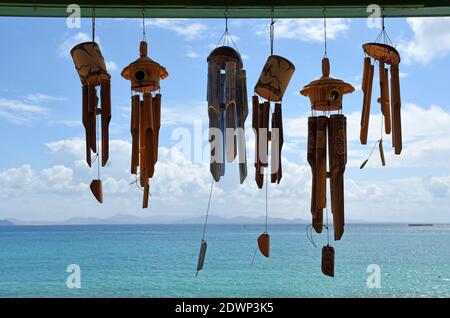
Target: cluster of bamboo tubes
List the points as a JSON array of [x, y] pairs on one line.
[[91, 69], [227, 110], [145, 125], [333, 129], [144, 75], [260, 124], [389, 99]]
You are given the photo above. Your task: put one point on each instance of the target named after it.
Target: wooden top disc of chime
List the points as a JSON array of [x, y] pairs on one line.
[[326, 92], [89, 63], [144, 73], [382, 52], [223, 54]]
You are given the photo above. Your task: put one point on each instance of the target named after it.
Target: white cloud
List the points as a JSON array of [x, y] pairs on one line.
[[39, 97], [308, 30], [65, 46], [111, 66], [431, 40], [18, 112], [184, 27]]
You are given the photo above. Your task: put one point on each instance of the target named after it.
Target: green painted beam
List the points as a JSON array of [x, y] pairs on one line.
[[216, 8]]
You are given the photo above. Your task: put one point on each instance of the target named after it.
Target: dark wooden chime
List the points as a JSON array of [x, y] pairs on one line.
[[227, 110], [91, 68], [271, 85], [326, 96], [144, 74], [383, 54]]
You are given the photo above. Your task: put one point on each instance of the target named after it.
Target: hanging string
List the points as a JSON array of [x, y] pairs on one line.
[[325, 31], [226, 39], [98, 134], [267, 210], [272, 29], [207, 209], [383, 36], [144, 38], [93, 24]]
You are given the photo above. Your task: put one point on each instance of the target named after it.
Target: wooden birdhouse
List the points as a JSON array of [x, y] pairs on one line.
[[326, 93], [144, 73]]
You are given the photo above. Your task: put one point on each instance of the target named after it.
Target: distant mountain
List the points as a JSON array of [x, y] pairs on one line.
[[132, 219], [6, 223]]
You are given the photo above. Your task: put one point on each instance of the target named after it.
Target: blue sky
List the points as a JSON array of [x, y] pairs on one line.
[[43, 177]]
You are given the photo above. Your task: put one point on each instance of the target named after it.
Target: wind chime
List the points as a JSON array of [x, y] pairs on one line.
[[144, 74], [271, 86], [326, 96], [382, 53], [227, 112], [91, 68], [227, 106]]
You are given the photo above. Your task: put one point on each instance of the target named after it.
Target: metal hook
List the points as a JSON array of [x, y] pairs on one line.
[[226, 19], [144, 37]]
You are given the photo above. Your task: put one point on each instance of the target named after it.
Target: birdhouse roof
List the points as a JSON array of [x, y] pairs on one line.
[[144, 61], [327, 81]]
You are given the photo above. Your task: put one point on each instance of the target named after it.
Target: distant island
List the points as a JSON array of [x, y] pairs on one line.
[[6, 223]]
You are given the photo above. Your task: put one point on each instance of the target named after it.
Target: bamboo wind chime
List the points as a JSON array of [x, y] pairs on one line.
[[383, 53], [227, 112], [271, 86], [326, 96], [91, 68], [144, 74], [227, 107]]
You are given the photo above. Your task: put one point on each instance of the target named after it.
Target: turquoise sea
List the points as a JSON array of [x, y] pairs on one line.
[[160, 261]]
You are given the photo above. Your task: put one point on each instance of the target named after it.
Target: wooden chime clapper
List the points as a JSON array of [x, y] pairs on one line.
[[227, 110], [326, 96], [271, 85], [91, 68], [144, 74], [390, 106]]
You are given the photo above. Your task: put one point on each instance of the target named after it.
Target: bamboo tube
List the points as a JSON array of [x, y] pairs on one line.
[[386, 104], [276, 143], [105, 96], [366, 73], [365, 116], [145, 196], [134, 133], [397, 110], [264, 129], [92, 109], [384, 97], [156, 125], [215, 144], [148, 135], [142, 178], [242, 113], [337, 139], [85, 120], [393, 99], [317, 214], [231, 142], [259, 177], [321, 162]]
